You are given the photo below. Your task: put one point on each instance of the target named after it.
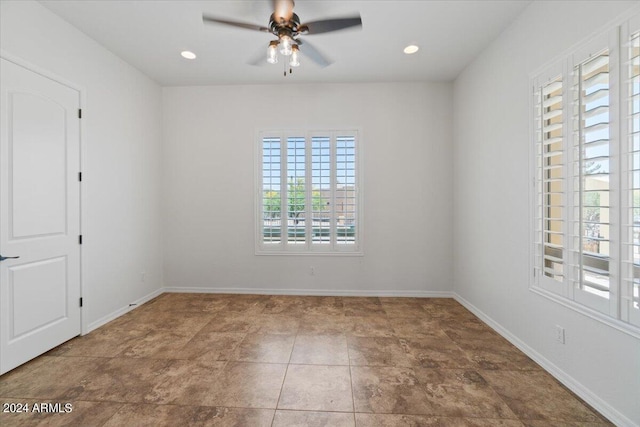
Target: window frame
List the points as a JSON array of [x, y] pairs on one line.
[[617, 310], [308, 247]]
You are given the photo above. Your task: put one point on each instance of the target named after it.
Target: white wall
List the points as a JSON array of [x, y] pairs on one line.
[[121, 145], [207, 184], [492, 215], [209, 142]]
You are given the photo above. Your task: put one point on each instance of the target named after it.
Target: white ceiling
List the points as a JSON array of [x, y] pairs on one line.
[[151, 34]]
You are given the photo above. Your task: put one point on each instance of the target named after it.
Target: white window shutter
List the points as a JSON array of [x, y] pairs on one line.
[[307, 196], [586, 167], [630, 124], [551, 165], [270, 196], [594, 223]]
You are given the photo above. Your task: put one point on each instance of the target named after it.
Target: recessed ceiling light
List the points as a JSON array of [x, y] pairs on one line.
[[188, 54], [412, 48]]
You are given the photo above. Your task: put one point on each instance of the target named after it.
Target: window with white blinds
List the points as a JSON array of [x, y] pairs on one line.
[[345, 190], [550, 177], [271, 189], [313, 178], [321, 206], [592, 174], [586, 231], [296, 190]]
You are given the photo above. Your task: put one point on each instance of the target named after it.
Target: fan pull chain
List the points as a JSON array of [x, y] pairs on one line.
[[284, 66], [284, 72]]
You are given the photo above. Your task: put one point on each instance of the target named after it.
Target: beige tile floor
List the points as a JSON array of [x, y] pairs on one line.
[[249, 360]]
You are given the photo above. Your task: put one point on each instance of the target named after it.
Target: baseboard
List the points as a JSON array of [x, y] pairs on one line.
[[124, 310], [583, 392], [314, 292]]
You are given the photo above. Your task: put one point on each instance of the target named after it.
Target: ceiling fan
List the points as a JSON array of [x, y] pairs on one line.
[[286, 26]]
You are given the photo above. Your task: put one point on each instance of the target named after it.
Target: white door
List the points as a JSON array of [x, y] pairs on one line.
[[39, 214]]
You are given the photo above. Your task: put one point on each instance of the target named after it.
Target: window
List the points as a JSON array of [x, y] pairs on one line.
[[308, 194], [586, 229]]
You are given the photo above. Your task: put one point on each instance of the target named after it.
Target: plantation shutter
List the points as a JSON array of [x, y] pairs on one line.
[[271, 191], [322, 207], [334, 198], [594, 226], [630, 292], [346, 191], [586, 164], [307, 197], [296, 189], [550, 177]]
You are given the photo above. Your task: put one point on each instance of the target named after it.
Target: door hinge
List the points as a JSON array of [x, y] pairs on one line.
[[80, 301], [79, 113], [80, 176], [80, 239]]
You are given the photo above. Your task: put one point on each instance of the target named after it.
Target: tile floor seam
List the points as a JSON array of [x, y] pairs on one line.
[[114, 414], [284, 378], [353, 400]]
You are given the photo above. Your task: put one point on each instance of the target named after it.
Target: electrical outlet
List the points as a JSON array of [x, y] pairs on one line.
[[312, 271], [560, 334], [143, 275]]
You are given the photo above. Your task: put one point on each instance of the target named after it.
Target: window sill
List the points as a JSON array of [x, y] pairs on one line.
[[309, 253], [626, 328]]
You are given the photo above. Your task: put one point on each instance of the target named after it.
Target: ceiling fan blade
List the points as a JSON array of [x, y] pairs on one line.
[[313, 54], [212, 20], [283, 9], [328, 25]]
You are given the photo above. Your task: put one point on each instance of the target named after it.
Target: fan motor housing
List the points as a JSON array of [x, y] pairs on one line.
[[275, 26]]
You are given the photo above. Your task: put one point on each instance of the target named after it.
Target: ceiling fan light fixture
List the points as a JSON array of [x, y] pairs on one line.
[[286, 43], [411, 49], [285, 25], [272, 52], [294, 61], [187, 54]]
